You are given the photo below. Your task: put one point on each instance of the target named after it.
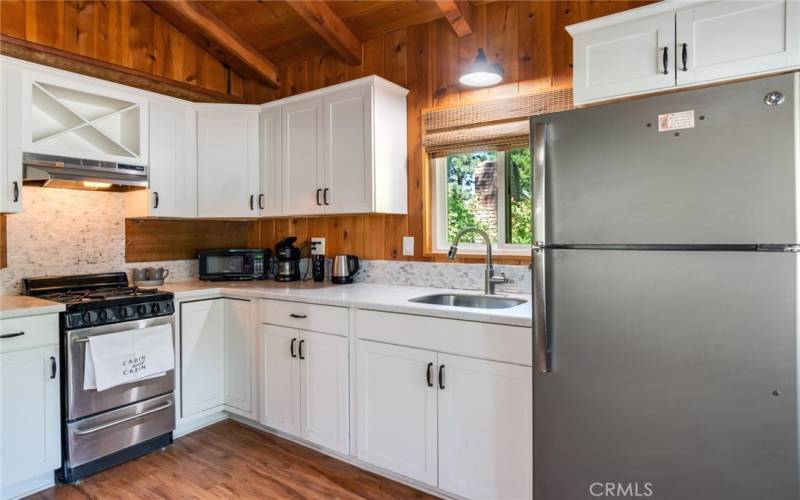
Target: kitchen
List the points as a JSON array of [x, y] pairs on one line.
[[369, 249]]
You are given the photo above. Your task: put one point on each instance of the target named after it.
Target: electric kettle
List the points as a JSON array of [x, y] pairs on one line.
[[344, 267]]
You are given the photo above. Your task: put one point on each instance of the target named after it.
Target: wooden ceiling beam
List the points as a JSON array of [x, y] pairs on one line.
[[211, 33], [458, 14], [330, 27]]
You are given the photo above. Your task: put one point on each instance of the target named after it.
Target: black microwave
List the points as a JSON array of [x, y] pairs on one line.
[[233, 264]]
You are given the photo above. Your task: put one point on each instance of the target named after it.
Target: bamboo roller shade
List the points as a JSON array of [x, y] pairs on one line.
[[495, 125]]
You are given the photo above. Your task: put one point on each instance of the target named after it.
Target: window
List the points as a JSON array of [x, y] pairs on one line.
[[490, 190]]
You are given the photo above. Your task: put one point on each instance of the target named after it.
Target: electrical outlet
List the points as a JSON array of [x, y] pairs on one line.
[[317, 246], [408, 245]]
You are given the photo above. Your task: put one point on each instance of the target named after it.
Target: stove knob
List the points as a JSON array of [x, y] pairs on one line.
[[106, 314], [89, 317], [128, 312], [156, 307], [143, 309]]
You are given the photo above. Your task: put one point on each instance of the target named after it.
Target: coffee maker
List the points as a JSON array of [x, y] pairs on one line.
[[287, 260]]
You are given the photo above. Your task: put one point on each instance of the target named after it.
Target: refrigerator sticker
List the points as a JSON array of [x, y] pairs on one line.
[[676, 121]]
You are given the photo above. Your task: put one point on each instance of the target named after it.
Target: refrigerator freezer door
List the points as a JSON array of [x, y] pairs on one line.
[[614, 178], [673, 371]]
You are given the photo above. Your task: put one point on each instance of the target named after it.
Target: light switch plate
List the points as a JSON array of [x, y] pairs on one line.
[[317, 246], [408, 245]]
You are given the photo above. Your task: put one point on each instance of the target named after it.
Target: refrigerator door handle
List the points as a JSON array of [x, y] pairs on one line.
[[539, 154]]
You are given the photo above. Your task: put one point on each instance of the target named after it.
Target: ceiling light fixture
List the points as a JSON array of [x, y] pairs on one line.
[[482, 73]]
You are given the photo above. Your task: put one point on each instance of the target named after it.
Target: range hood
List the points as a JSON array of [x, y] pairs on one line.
[[77, 173]]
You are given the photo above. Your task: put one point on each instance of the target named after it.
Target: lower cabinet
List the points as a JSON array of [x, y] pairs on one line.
[[216, 356], [304, 384], [462, 424]]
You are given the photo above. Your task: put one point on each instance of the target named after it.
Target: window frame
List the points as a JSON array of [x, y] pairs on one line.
[[439, 240]]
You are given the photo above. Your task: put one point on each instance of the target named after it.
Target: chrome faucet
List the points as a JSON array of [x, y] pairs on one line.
[[490, 279]]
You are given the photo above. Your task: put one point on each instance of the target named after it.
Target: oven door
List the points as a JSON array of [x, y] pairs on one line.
[[81, 403]]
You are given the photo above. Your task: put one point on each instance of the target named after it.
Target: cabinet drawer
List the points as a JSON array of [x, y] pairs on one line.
[[511, 344], [314, 317], [37, 331]]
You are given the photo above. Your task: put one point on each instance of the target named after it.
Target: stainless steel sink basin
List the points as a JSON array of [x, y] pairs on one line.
[[472, 301]]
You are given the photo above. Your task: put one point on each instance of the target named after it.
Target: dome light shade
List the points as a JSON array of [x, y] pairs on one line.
[[482, 73]]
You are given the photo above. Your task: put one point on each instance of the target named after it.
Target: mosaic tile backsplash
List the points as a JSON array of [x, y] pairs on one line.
[[63, 231]]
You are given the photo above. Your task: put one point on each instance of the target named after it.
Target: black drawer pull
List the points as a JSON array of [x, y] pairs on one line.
[[318, 192], [291, 347], [685, 56], [665, 60], [441, 376], [53, 367], [325, 196], [155, 202], [261, 201], [429, 374], [11, 335], [16, 191], [298, 316], [252, 200], [300, 349]]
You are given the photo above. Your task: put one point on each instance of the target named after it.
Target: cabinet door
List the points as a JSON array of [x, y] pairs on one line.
[[270, 200], [30, 442], [280, 378], [348, 180], [324, 390], [238, 381], [302, 152], [202, 348], [729, 39], [627, 58], [485, 428], [10, 140], [227, 162], [173, 160], [396, 409]]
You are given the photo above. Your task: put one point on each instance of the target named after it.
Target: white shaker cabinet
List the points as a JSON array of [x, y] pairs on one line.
[[271, 200], [485, 428], [30, 416], [173, 161], [396, 426], [202, 355], [238, 357], [10, 139], [304, 384], [343, 149], [723, 39], [626, 58], [227, 161]]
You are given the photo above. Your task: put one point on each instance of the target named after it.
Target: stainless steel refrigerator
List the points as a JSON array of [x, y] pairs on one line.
[[666, 296]]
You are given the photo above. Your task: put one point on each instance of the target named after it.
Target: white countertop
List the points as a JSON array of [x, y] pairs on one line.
[[388, 298], [16, 306]]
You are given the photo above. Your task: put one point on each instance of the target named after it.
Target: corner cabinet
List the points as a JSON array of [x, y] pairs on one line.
[[342, 149], [674, 44], [228, 161]]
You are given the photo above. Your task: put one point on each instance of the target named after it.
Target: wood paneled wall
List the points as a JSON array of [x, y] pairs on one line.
[[125, 33], [527, 38]]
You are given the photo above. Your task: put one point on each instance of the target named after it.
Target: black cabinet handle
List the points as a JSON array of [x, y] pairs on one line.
[[300, 349], [441, 376], [325, 196], [261, 201], [429, 374], [298, 316], [53, 367], [155, 202], [318, 192], [665, 60], [11, 335], [684, 56], [252, 199], [291, 347], [16, 191]]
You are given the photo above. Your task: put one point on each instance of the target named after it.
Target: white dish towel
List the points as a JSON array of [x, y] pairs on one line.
[[120, 358]]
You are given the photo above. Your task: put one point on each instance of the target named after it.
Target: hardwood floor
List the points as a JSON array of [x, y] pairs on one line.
[[231, 460]]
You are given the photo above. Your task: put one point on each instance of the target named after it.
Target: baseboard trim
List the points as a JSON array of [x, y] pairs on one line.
[[28, 487], [190, 425]]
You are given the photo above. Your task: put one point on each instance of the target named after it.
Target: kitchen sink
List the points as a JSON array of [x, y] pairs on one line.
[[472, 301]]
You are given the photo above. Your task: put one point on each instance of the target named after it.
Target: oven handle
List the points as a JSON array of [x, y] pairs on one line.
[[80, 340], [126, 419]]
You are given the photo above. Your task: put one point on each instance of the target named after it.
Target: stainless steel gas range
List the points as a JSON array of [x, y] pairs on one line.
[[103, 428]]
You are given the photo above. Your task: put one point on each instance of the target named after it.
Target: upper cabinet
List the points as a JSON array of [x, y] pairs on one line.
[[342, 149], [227, 161], [10, 140], [672, 44], [72, 117]]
